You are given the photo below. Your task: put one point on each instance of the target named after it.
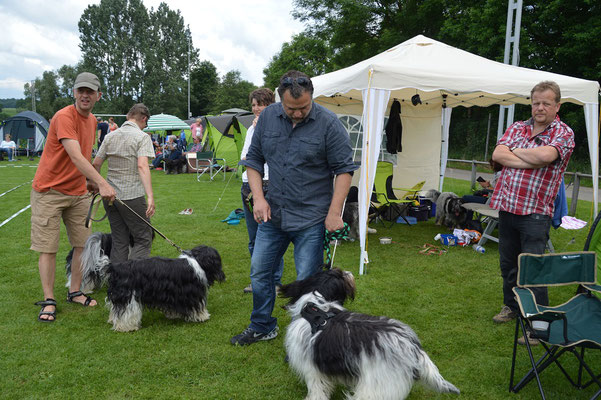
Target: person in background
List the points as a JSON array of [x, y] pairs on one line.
[[9, 147], [103, 129], [259, 99], [197, 128], [168, 147], [112, 124], [127, 151], [534, 155], [60, 191], [310, 161]]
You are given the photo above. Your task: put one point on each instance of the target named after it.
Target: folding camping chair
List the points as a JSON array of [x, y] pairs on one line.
[[384, 200], [205, 161], [570, 327]]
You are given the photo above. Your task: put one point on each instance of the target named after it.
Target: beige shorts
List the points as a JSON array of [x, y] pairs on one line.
[[47, 209]]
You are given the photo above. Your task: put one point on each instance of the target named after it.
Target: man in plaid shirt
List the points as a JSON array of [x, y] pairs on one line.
[[534, 155]]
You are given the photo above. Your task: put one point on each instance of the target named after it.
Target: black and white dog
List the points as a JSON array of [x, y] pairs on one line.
[[177, 287], [94, 262], [376, 357], [449, 210]]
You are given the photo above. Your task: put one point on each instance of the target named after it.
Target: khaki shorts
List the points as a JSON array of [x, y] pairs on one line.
[[47, 209]]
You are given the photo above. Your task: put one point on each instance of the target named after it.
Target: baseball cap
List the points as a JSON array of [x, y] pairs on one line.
[[87, 79]]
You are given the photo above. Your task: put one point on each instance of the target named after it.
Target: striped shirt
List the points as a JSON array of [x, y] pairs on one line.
[[532, 191], [121, 148]]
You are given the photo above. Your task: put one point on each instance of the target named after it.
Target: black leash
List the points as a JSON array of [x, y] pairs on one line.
[[139, 216], [91, 211]]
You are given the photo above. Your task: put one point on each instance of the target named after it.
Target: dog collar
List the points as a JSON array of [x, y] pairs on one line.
[[317, 318]]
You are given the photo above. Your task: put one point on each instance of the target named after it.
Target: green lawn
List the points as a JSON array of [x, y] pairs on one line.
[[449, 301]]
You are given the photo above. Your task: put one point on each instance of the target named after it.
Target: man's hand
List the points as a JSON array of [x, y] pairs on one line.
[[150, 209], [92, 187], [334, 222], [261, 210], [107, 192]]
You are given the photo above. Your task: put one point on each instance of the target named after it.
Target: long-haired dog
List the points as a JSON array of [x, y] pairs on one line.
[[375, 357], [177, 287], [450, 211], [94, 262]]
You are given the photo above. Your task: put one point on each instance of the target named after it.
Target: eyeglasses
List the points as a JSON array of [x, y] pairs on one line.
[[289, 81]]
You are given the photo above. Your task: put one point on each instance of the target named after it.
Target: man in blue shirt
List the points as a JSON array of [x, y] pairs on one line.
[[305, 147]]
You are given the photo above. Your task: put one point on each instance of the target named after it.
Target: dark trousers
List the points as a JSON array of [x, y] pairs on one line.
[[521, 234], [123, 224]]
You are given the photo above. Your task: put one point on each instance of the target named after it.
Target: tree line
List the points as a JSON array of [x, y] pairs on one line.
[[560, 36], [140, 55]]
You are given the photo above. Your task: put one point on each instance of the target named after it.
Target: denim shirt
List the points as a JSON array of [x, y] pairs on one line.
[[302, 163]]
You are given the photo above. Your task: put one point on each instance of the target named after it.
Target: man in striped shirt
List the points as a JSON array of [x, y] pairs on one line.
[[534, 155]]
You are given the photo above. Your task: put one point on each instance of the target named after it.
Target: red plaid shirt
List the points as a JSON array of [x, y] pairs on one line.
[[529, 191]]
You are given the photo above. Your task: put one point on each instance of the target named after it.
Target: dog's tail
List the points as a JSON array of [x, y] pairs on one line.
[[430, 377]]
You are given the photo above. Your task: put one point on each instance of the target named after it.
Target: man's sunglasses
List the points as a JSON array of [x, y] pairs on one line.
[[289, 81]]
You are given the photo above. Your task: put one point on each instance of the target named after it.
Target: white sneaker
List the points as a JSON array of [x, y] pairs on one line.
[[371, 230]]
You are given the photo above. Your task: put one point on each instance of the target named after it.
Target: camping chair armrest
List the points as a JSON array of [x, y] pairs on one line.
[[526, 301], [592, 287]]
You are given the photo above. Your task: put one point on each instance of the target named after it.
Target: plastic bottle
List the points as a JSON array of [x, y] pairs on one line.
[[479, 248]]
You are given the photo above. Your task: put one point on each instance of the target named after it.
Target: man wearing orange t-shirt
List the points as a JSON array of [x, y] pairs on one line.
[[60, 191]]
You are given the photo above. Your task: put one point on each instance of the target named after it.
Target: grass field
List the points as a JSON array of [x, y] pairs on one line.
[[448, 300]]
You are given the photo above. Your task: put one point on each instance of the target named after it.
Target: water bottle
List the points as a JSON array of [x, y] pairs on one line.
[[479, 248]]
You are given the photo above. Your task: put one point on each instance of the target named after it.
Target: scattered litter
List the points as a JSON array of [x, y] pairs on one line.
[[429, 249], [447, 239], [187, 211], [466, 236]]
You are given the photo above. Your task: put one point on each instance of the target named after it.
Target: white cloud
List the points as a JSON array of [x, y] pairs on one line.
[[40, 35]]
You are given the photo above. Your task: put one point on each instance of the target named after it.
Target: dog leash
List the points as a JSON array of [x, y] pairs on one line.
[[338, 234], [92, 211], [139, 216]]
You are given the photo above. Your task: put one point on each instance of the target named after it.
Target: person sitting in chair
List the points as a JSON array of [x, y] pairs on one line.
[[9, 147]]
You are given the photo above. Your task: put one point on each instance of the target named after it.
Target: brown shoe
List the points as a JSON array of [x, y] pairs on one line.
[[532, 341], [505, 315]]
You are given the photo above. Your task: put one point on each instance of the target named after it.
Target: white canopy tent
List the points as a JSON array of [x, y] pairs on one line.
[[444, 77]]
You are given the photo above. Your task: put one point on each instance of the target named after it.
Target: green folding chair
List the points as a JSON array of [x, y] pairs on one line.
[[570, 327], [387, 204]]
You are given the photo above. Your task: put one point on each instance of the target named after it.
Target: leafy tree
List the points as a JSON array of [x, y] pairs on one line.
[[204, 84], [305, 53], [165, 83], [232, 92], [114, 37]]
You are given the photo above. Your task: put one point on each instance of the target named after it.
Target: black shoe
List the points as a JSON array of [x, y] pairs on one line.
[[250, 336]]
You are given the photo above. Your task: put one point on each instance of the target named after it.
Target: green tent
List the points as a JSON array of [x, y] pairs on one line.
[[224, 134]]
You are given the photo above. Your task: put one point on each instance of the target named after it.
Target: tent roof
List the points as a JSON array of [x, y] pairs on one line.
[[29, 115], [165, 122], [222, 122], [433, 69]]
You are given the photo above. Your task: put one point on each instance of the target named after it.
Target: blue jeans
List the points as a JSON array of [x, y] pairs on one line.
[[521, 234], [10, 152], [270, 245], [251, 227]]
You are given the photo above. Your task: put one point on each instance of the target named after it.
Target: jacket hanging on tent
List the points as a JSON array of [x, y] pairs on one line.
[[394, 129]]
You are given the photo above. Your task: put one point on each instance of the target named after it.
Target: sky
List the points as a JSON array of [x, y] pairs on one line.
[[41, 35]]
